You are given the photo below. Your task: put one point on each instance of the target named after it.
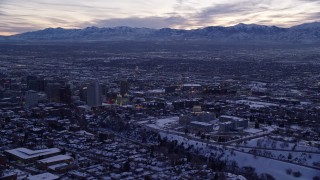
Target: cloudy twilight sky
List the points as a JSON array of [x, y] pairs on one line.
[[18, 16]]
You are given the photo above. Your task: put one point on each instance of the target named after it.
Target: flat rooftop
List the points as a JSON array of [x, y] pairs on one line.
[[25, 153], [43, 176], [55, 159], [200, 123]]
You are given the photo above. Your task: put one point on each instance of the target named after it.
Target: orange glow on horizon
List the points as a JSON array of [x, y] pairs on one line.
[[7, 33]]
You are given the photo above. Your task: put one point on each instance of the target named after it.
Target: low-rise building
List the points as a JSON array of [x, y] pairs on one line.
[[46, 176], [232, 123], [28, 156], [226, 126], [44, 163], [201, 126]]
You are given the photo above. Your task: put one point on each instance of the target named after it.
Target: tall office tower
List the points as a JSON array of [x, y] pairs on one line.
[[32, 83], [65, 94], [124, 87], [42, 84], [53, 91], [83, 94], [6, 83], [94, 95], [31, 98], [1, 92]]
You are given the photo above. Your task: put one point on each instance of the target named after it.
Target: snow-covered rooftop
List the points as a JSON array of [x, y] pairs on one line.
[[44, 176], [200, 123], [53, 167], [191, 85], [55, 158], [25, 153]]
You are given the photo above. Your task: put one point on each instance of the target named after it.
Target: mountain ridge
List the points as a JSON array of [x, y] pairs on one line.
[[304, 33]]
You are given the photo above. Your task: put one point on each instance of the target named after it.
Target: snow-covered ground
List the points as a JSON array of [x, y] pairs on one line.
[[279, 142], [252, 130], [163, 123], [262, 165], [276, 168], [256, 104], [302, 158]]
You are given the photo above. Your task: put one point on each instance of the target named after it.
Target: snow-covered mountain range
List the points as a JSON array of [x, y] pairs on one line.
[[304, 33]]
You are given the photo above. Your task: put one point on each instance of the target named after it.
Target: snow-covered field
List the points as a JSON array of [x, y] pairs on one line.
[[282, 143], [262, 165], [302, 158], [276, 168], [163, 123]]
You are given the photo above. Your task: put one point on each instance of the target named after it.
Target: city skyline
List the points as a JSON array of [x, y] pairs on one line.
[[17, 16]]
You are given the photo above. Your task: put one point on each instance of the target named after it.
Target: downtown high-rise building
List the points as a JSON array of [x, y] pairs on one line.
[[31, 98], [124, 87], [94, 94]]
